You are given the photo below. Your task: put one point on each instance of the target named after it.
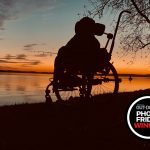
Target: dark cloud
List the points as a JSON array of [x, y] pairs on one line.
[[5, 6], [38, 53], [9, 57], [29, 62], [44, 53], [41, 55], [36, 62], [19, 59], [13, 9], [7, 61], [19, 56], [33, 48], [30, 47]]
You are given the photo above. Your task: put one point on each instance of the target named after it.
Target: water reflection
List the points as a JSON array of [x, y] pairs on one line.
[[8, 87], [29, 88], [21, 88], [136, 83]]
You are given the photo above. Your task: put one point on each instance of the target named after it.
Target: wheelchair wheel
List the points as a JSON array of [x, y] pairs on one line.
[[67, 92], [49, 95], [105, 81]]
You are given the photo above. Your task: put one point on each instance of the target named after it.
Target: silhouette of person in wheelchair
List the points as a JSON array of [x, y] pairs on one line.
[[82, 54]]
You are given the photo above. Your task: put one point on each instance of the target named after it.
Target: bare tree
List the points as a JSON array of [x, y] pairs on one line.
[[135, 28]]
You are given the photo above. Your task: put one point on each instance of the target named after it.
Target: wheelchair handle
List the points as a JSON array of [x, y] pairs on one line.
[[113, 37], [116, 29]]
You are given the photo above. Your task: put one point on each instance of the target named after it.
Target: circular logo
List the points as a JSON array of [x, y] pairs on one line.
[[138, 117]]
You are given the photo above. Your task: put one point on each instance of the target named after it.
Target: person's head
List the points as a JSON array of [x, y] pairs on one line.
[[87, 26]]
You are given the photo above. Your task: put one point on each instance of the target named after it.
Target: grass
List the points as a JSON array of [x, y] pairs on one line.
[[97, 123]]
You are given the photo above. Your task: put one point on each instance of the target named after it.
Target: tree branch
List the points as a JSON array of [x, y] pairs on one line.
[[140, 12], [145, 45]]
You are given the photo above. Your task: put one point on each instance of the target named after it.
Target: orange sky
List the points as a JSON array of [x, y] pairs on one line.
[[28, 36]]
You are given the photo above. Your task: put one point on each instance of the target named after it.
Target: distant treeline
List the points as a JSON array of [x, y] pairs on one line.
[[123, 75], [16, 71]]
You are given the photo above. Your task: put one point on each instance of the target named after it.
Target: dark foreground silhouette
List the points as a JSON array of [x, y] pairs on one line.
[[97, 123]]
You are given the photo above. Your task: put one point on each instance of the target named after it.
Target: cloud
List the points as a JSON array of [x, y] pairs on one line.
[[30, 46], [37, 49], [36, 62], [41, 55], [34, 49], [9, 57], [13, 9], [19, 56], [7, 61], [31, 63], [27, 63]]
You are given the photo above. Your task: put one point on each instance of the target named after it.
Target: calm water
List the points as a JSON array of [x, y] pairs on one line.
[[29, 88]]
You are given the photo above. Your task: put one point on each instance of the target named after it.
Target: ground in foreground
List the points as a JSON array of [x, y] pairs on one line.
[[97, 123]]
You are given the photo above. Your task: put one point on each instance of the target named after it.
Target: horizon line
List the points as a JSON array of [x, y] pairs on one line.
[[51, 72]]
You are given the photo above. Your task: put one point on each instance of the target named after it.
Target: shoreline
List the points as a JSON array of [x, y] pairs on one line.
[[99, 122], [34, 72], [94, 98], [107, 95]]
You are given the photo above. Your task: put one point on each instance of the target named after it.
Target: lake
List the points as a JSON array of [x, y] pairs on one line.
[[18, 88]]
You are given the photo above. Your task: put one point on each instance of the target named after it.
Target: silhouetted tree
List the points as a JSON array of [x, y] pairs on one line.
[[135, 28]]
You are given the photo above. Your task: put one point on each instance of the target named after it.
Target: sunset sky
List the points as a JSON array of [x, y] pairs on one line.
[[31, 29]]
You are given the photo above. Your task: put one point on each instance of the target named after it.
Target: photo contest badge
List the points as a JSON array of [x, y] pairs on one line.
[[138, 117]]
